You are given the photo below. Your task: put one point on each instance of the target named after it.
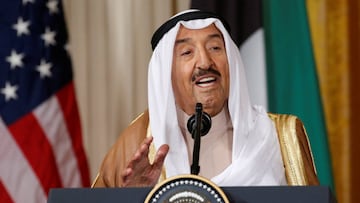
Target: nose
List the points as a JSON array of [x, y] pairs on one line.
[[204, 59]]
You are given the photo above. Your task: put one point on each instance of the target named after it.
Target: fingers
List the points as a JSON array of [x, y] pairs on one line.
[[137, 164], [141, 155], [148, 140], [160, 156], [139, 171], [139, 159]]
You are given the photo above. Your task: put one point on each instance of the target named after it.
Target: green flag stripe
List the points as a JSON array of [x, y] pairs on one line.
[[291, 74]]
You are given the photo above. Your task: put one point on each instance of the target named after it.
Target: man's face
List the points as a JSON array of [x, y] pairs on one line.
[[200, 70]]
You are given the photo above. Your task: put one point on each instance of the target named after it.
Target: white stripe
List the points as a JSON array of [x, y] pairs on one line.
[[253, 55], [16, 173], [51, 119]]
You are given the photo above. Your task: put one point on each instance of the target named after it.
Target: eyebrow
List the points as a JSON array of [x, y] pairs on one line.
[[211, 36]]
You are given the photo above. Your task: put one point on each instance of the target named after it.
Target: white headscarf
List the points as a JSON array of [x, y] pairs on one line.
[[256, 157]]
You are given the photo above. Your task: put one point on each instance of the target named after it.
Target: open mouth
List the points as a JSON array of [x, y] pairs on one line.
[[206, 81]]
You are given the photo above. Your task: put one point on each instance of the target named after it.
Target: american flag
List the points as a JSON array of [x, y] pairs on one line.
[[40, 133]]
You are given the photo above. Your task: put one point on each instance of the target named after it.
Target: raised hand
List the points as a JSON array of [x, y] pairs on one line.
[[139, 172]]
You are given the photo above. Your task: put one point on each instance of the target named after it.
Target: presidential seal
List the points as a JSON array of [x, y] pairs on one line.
[[186, 189]]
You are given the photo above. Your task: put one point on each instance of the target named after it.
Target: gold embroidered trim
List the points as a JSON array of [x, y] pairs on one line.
[[290, 148]]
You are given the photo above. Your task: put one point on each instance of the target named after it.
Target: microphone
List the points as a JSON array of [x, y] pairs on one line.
[[198, 125], [199, 117]]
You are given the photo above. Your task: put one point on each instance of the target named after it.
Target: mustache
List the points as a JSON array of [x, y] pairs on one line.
[[201, 72]]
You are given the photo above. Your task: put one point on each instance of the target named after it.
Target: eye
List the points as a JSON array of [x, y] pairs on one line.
[[215, 48], [185, 53]]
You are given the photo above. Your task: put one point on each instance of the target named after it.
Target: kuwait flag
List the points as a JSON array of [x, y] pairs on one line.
[[275, 43]]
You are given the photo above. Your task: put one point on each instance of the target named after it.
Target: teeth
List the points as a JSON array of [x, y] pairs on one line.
[[206, 79], [204, 84]]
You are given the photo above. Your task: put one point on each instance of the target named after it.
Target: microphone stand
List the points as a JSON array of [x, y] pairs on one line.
[[195, 168], [198, 125]]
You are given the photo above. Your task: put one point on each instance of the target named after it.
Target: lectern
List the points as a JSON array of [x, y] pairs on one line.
[[293, 194], [194, 189]]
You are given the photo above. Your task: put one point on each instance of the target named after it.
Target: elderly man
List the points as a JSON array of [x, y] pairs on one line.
[[195, 61]]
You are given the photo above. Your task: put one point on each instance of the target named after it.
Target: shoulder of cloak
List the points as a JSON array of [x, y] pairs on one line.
[[295, 149]]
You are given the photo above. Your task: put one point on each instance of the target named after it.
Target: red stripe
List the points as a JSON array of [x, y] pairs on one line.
[[33, 142], [4, 196], [67, 101]]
